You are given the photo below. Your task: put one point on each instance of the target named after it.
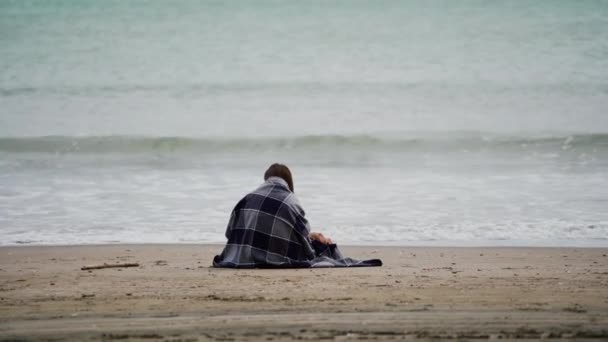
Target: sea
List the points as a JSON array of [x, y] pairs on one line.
[[458, 123]]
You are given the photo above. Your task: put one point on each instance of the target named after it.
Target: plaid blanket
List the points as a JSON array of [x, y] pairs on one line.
[[267, 229]]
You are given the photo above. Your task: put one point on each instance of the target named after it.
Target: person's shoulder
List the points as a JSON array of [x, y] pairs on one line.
[[269, 191], [291, 198], [265, 189], [293, 202]]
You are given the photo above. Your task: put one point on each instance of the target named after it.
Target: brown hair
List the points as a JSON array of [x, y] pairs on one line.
[[281, 171]]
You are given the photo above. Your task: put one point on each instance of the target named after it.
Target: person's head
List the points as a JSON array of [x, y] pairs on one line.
[[281, 171]]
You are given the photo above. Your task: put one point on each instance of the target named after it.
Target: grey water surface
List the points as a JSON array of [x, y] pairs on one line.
[[404, 122]]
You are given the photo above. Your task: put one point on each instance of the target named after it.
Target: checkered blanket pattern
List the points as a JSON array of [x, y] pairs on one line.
[[267, 229]]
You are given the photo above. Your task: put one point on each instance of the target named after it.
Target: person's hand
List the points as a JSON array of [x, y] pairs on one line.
[[321, 238]]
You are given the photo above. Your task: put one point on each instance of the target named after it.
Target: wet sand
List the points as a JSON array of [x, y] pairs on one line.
[[420, 292]]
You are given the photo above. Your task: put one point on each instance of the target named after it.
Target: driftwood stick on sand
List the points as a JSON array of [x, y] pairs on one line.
[[97, 267]]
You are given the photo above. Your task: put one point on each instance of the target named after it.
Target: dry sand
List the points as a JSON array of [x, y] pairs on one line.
[[419, 292]]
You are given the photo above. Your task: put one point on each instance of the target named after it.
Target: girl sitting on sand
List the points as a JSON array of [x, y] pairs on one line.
[[267, 228]]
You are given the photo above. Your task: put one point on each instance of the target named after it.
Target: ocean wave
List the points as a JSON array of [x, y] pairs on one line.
[[124, 144], [297, 87]]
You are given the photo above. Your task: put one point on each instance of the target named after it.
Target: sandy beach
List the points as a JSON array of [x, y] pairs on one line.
[[420, 292]]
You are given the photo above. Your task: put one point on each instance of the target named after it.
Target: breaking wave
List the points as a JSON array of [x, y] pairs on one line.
[[124, 144]]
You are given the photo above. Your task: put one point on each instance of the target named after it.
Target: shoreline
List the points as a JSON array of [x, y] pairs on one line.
[[420, 292], [380, 244]]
